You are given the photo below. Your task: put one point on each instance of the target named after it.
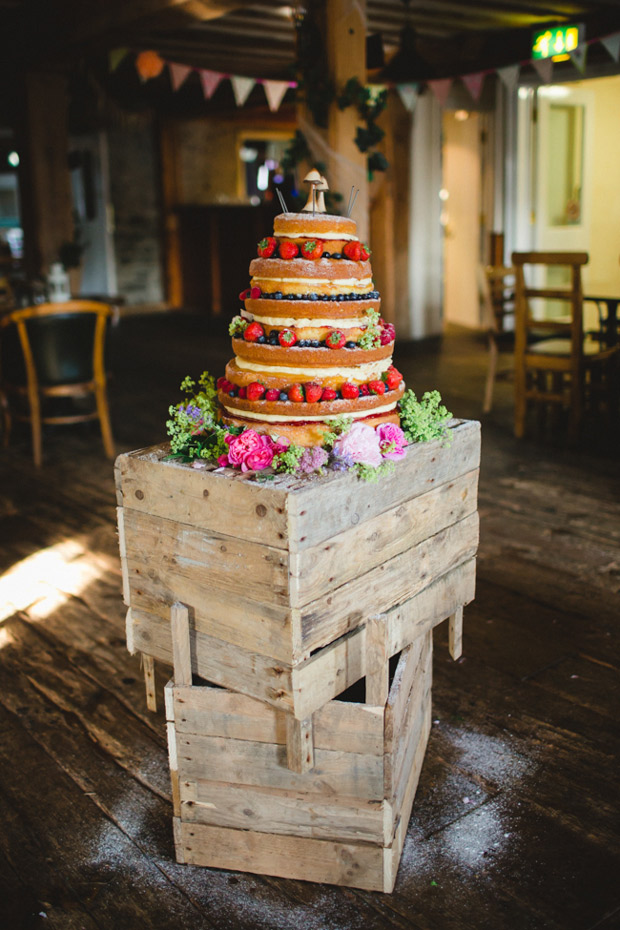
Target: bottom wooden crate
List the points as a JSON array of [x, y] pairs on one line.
[[238, 806]]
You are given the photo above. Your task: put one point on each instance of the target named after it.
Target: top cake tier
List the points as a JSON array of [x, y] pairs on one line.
[[323, 225]]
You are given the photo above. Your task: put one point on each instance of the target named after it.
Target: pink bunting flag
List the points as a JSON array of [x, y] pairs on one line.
[[210, 81], [274, 92], [441, 89], [509, 75], [544, 66], [612, 45], [178, 73], [242, 88], [473, 83]]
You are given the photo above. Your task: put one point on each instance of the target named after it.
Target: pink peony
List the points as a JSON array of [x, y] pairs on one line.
[[250, 450], [223, 461], [260, 457], [392, 441], [360, 444], [240, 446]]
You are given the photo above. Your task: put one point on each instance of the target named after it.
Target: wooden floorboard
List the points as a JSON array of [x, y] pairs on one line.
[[515, 824]]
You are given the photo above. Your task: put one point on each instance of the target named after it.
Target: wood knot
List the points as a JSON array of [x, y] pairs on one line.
[[355, 518], [140, 494], [261, 510], [205, 493]]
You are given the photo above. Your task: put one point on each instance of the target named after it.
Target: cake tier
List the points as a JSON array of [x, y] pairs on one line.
[[300, 276], [296, 359], [242, 372], [286, 411], [286, 312], [319, 225]]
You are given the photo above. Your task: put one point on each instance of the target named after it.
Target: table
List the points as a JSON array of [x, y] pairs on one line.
[[609, 325]]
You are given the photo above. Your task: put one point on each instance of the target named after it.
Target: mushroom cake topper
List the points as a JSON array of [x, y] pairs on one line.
[[318, 183]]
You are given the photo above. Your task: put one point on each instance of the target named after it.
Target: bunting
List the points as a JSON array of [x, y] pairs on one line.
[[578, 57], [242, 88], [509, 75], [441, 89], [178, 73], [408, 93], [611, 44], [473, 83], [274, 92], [210, 81], [544, 66]]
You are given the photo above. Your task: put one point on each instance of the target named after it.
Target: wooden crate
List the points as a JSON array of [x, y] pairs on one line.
[[280, 577], [237, 805]]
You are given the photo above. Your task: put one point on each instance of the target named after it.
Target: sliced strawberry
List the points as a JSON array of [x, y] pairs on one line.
[[353, 250], [287, 338], [244, 294], [336, 339], [289, 249], [376, 387], [253, 332], [365, 253], [266, 247], [312, 248], [328, 394], [313, 392], [350, 391], [272, 394], [296, 393], [392, 377], [255, 390]]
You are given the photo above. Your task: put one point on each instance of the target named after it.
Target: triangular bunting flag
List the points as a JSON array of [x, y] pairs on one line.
[[509, 75], [116, 56], [409, 95], [578, 57], [612, 45], [473, 83], [242, 88], [274, 92], [210, 81], [544, 66], [178, 73], [441, 89]]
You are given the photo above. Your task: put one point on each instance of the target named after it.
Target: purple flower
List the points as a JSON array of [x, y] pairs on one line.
[[312, 459]]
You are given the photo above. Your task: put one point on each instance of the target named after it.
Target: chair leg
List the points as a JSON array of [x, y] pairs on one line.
[[35, 425], [104, 419], [520, 401], [576, 407], [7, 421], [492, 370]]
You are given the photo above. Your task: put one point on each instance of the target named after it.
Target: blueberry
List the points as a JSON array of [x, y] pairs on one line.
[[314, 343], [341, 297], [350, 345], [302, 343], [273, 341], [278, 295], [273, 332], [320, 344], [327, 255], [338, 395], [337, 255], [288, 296], [283, 395], [314, 296], [232, 393], [262, 339]]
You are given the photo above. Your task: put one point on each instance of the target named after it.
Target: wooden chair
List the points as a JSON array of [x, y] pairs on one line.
[[52, 351], [558, 370], [492, 280]]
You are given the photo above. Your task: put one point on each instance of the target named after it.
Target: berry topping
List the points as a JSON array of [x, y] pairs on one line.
[[272, 394], [313, 392], [255, 293], [353, 250], [243, 392], [364, 390], [350, 391], [296, 393], [365, 253], [266, 247], [289, 250], [329, 394], [336, 339], [287, 338], [388, 334], [253, 332], [376, 387], [219, 383], [312, 248], [244, 294], [392, 377], [255, 390]]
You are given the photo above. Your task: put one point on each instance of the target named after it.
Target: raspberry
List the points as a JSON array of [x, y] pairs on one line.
[[353, 250], [255, 293], [376, 387], [266, 247], [312, 248], [244, 294], [287, 338], [272, 394], [243, 392], [313, 392], [253, 332], [255, 390], [220, 382], [388, 334], [296, 393], [289, 250], [364, 390], [336, 339], [329, 394], [350, 391]]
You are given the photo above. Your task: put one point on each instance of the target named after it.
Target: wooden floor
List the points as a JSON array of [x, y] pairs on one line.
[[515, 825]]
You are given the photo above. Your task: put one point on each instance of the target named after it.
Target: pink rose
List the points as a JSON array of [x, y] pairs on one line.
[[259, 457], [250, 450], [280, 444], [240, 446], [223, 461], [392, 441], [360, 444]]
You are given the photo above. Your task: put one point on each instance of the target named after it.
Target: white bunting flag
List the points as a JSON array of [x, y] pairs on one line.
[[612, 45], [473, 83], [509, 75], [178, 73], [441, 89], [210, 81], [578, 57], [408, 93], [544, 66], [242, 88], [274, 92]]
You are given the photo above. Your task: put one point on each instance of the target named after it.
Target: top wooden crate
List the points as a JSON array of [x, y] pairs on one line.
[[281, 576]]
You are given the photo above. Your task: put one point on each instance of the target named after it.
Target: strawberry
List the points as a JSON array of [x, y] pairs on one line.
[[328, 394], [312, 248], [392, 377], [272, 394], [255, 293], [388, 334], [365, 253], [244, 294], [353, 250], [289, 249], [313, 392], [350, 391], [336, 339], [376, 387], [266, 247], [296, 393], [255, 390], [243, 392], [287, 338], [364, 391], [253, 332]]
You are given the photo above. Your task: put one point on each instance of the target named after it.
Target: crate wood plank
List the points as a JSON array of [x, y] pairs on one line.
[[317, 514], [376, 661], [391, 583], [289, 812], [209, 499], [455, 634], [321, 568], [407, 670], [305, 858], [299, 744], [251, 763], [399, 762], [181, 644]]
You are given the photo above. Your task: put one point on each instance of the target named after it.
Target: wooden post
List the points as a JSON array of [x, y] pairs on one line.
[[299, 744], [377, 661], [455, 634], [148, 664], [171, 199], [181, 646]]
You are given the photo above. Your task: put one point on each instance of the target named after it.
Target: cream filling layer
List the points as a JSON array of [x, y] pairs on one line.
[[351, 323], [338, 282], [368, 372], [274, 418], [323, 234]]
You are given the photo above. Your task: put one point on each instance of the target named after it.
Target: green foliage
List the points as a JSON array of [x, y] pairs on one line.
[[192, 427], [371, 338], [373, 472], [426, 419], [288, 460], [369, 107], [338, 426], [237, 326]]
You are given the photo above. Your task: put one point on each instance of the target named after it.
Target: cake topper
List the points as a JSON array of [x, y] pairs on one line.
[[352, 199], [316, 182]]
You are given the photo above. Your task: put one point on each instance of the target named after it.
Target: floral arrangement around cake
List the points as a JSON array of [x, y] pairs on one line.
[[311, 385]]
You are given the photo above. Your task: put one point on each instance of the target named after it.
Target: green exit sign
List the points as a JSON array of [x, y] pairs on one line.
[[559, 40]]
